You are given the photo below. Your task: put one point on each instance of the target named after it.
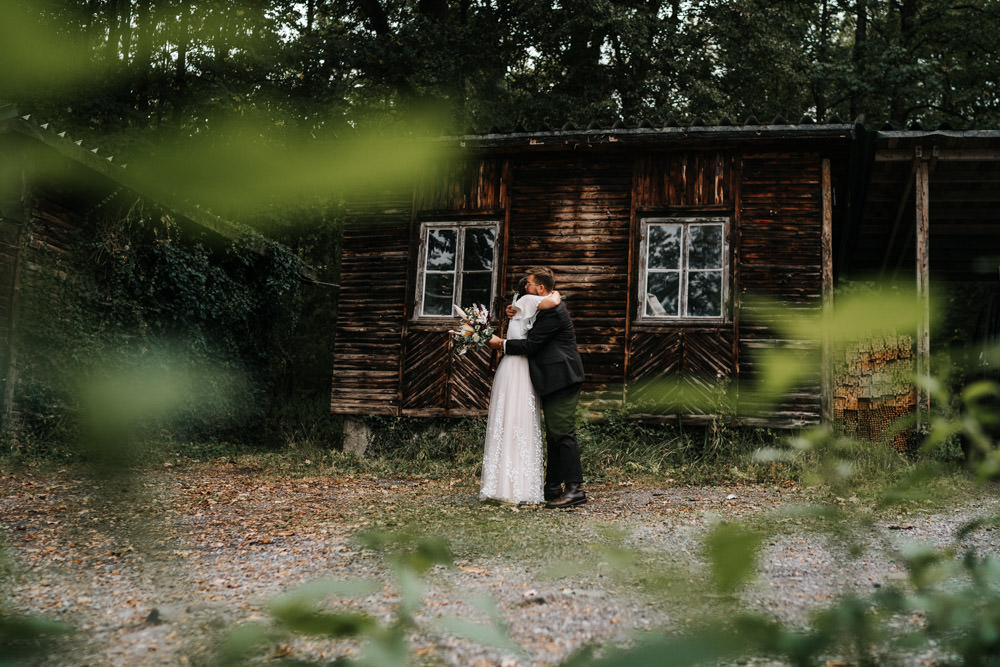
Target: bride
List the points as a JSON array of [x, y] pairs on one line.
[[512, 458]]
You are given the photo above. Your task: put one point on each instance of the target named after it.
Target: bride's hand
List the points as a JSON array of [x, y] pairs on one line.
[[557, 297]]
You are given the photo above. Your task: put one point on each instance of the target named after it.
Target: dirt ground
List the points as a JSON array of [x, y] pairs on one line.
[[159, 569]]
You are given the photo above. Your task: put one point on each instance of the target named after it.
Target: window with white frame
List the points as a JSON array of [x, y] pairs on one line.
[[457, 262], [683, 270]]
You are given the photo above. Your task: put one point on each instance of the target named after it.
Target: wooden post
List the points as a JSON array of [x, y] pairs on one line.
[[826, 395], [923, 279], [7, 406]]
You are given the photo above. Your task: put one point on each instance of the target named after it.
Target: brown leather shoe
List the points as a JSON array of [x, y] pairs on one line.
[[552, 491], [574, 495]]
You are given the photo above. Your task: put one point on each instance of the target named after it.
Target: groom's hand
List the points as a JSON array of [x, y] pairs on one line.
[[496, 342]]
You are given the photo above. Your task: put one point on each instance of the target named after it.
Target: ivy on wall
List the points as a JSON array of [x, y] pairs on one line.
[[137, 299]]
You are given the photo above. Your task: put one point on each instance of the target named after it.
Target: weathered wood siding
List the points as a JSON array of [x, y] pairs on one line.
[[580, 214], [677, 368], [433, 381], [691, 179], [571, 213], [779, 258], [10, 244], [367, 344], [55, 223]]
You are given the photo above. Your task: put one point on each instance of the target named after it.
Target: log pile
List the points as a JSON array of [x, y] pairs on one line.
[[873, 388]]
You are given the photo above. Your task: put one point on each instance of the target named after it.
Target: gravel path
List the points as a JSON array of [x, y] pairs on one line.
[[158, 571]]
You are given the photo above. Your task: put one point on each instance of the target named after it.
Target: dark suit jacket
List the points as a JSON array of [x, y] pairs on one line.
[[553, 358]]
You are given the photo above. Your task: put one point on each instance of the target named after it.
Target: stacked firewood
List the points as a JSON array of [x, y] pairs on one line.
[[873, 388]]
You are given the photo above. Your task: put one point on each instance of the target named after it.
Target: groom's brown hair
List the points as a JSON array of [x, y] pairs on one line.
[[543, 276]]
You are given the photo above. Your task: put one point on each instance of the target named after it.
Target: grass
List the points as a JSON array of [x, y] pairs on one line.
[[870, 477], [613, 450]]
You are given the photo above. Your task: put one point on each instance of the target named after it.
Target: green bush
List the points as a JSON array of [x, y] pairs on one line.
[[138, 305]]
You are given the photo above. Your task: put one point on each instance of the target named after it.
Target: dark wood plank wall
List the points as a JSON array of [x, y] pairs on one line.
[[694, 179], [463, 186], [571, 213], [434, 382], [53, 222], [579, 215], [368, 338], [677, 369], [10, 246], [779, 258]]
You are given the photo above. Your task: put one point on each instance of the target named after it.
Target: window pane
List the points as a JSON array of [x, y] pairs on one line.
[[664, 246], [663, 295], [476, 289], [438, 291], [441, 245], [478, 250], [705, 294], [705, 250]]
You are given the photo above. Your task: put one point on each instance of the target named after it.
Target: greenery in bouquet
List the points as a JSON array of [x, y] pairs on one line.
[[475, 330]]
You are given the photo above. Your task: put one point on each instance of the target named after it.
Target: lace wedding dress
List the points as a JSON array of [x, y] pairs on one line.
[[512, 458]]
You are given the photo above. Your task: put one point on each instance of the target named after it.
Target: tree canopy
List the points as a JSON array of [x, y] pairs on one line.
[[326, 66]]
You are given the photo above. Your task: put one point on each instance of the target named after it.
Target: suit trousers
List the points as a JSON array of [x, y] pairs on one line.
[[563, 463]]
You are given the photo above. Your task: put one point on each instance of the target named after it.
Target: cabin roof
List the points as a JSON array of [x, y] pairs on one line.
[[101, 162], [693, 131]]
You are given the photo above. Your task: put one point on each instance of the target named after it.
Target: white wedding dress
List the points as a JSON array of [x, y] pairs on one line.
[[512, 458]]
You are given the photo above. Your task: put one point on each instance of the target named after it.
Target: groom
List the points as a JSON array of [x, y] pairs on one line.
[[557, 373]]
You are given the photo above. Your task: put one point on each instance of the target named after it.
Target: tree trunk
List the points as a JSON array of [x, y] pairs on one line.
[[92, 27], [819, 86], [114, 32], [675, 15], [858, 54], [907, 25], [180, 65], [375, 16], [125, 31], [142, 63]]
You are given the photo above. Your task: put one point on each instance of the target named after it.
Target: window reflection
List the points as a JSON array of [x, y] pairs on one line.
[[476, 288], [705, 248], [438, 291], [685, 269], [664, 246], [457, 267], [479, 250], [705, 294], [441, 249], [665, 289]]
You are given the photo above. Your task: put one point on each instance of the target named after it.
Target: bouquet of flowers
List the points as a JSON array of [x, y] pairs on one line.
[[475, 331]]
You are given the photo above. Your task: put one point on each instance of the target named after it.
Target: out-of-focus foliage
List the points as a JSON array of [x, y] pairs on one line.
[[317, 609], [857, 316], [139, 331], [25, 636]]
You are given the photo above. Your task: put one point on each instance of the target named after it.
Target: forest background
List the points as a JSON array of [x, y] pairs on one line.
[[251, 108]]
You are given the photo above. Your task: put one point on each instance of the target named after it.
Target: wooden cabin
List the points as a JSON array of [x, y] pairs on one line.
[[657, 237]]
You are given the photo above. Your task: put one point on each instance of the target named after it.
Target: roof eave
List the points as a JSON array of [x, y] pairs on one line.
[[92, 159], [664, 135]]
